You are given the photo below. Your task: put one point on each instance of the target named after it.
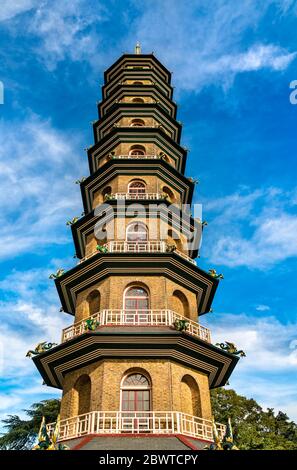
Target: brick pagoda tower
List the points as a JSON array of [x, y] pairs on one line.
[[136, 363]]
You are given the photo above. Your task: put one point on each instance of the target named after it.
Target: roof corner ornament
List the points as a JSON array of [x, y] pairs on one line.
[[138, 48]]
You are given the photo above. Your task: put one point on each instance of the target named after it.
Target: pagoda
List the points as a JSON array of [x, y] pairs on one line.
[[136, 366]]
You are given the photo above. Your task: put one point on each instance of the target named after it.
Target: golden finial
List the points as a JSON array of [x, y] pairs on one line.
[[138, 48]]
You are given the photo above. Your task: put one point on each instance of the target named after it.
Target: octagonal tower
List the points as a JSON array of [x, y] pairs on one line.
[[136, 361]]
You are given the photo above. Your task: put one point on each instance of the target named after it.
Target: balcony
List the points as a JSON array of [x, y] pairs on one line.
[[136, 318], [152, 422], [138, 196], [144, 247], [139, 247], [138, 156]]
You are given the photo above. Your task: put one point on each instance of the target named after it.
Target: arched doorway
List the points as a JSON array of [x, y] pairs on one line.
[[180, 303], [93, 302], [82, 395], [137, 100], [169, 194], [137, 123], [136, 393], [106, 192], [190, 396]]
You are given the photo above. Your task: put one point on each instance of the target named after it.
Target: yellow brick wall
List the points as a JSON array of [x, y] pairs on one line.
[[163, 294], [168, 392], [145, 82], [129, 99], [124, 149]]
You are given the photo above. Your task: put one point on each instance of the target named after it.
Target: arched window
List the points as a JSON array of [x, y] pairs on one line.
[[137, 150], [93, 301], [136, 391], [137, 100], [136, 232], [136, 187], [137, 83], [137, 123], [136, 298]]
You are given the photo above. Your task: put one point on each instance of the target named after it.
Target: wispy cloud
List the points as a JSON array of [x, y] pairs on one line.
[[11, 9], [61, 29], [262, 308], [268, 371], [38, 205], [254, 229], [206, 42]]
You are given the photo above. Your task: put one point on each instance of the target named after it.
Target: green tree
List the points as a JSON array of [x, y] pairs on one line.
[[253, 428], [21, 433]]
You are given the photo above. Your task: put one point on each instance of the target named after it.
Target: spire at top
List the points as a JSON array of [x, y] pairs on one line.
[[138, 48]]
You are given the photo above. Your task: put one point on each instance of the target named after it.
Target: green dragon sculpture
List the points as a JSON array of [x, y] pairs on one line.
[[102, 248], [72, 221], [226, 443], [40, 348], [46, 442], [231, 348], [181, 325], [81, 180], [91, 324], [59, 273], [214, 274]]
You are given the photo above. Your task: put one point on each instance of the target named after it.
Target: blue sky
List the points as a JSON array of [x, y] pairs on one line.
[[232, 64]]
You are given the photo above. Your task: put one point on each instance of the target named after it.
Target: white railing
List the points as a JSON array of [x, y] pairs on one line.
[[143, 247], [153, 422], [136, 318], [143, 196], [138, 156], [137, 247]]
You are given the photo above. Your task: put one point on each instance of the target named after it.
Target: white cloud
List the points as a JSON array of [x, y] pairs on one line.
[[30, 315], [38, 176], [206, 43], [9, 9], [62, 29], [257, 57], [268, 372], [66, 29], [265, 340], [255, 229], [262, 308]]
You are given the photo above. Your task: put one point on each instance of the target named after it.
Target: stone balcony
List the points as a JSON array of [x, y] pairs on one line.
[[136, 422], [136, 318]]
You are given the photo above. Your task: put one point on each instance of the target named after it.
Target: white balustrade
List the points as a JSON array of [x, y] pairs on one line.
[[141, 196], [136, 318], [153, 422]]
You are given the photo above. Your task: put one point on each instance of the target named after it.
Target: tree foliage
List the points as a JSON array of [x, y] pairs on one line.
[[253, 428], [21, 433]]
